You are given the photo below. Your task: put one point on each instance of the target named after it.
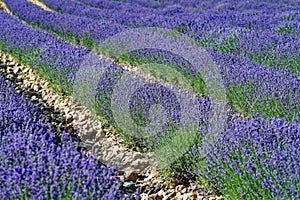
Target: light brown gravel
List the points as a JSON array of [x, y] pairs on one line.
[[4, 7], [40, 4]]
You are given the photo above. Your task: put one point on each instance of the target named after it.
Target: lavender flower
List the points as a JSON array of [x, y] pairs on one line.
[[37, 164], [259, 156]]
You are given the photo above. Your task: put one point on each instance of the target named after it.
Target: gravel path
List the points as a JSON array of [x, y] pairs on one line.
[[38, 3], [3, 7]]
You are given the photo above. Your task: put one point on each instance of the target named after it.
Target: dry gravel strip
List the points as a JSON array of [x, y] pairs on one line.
[[4, 7], [38, 3]]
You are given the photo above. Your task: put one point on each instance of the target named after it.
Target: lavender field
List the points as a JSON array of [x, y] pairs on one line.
[[249, 149]]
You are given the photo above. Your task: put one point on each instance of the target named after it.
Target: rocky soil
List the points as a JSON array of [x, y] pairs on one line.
[[3, 7], [38, 3]]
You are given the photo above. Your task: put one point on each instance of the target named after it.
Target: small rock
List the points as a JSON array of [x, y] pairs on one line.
[[9, 69], [128, 184], [32, 78], [194, 195], [151, 176], [44, 92], [131, 175], [45, 85], [170, 196], [26, 83], [178, 195], [144, 188], [25, 70], [36, 88], [10, 76], [179, 188], [120, 173], [144, 196], [33, 98], [137, 156], [161, 193], [172, 186], [186, 196], [69, 119], [157, 188], [16, 70], [155, 197]]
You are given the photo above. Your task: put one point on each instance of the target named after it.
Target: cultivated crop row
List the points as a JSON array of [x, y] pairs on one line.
[[255, 46]]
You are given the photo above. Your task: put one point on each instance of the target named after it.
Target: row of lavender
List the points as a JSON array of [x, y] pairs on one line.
[[36, 163], [245, 13], [253, 159], [283, 18], [276, 91], [228, 31], [250, 25], [267, 130], [41, 50]]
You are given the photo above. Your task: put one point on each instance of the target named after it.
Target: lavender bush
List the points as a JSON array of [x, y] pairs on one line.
[[198, 23], [207, 13], [75, 29], [271, 49], [37, 164], [55, 59], [254, 159], [257, 89], [268, 52]]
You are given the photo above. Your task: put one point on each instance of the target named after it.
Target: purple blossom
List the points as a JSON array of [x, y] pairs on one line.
[[263, 155], [37, 164]]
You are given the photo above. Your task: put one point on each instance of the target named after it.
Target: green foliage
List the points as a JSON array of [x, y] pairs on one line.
[[225, 46], [165, 72], [238, 96], [290, 63], [285, 30], [29, 58]]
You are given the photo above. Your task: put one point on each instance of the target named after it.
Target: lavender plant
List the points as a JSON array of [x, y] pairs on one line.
[[79, 30], [55, 59], [211, 15], [253, 159], [257, 88], [37, 164], [271, 49], [278, 57]]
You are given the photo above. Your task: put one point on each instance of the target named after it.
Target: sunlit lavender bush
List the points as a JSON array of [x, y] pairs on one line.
[[254, 159], [56, 60], [80, 30], [37, 164]]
